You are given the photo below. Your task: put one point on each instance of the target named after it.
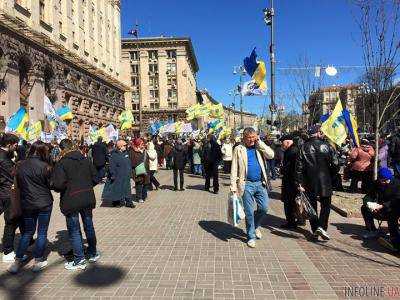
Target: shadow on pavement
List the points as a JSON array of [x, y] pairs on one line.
[[198, 187], [17, 286], [62, 245], [223, 231], [99, 276], [355, 231], [275, 195], [167, 187]]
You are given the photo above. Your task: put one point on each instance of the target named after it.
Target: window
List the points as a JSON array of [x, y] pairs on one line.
[[153, 94], [135, 96], [173, 105], [60, 26], [135, 69], [153, 68], [134, 55], [171, 80], [153, 81], [135, 106], [42, 10], [172, 93], [135, 81], [154, 105], [153, 54], [171, 53], [171, 68]]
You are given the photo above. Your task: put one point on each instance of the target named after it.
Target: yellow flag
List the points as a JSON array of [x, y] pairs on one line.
[[335, 127], [34, 131]]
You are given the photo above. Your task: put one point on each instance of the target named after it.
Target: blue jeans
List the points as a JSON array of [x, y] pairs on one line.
[[254, 191], [198, 170], [75, 234], [29, 221]]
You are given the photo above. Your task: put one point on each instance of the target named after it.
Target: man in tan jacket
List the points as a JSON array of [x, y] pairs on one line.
[[249, 179]]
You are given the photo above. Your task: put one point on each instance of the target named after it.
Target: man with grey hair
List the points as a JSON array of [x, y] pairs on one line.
[[249, 179]]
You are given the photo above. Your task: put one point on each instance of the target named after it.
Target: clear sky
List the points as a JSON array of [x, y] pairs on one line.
[[223, 32]]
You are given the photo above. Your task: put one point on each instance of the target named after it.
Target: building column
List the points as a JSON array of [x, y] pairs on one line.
[[11, 97], [162, 78], [36, 97]]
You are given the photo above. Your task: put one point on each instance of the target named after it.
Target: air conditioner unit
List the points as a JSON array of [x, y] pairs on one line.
[[167, 72], [174, 60], [173, 86]]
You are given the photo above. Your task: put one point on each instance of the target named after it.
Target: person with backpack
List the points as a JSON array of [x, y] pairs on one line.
[[74, 177]]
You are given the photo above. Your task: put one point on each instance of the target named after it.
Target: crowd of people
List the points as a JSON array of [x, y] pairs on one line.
[[306, 161]]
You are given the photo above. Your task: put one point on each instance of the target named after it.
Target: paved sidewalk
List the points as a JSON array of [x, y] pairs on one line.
[[177, 245]]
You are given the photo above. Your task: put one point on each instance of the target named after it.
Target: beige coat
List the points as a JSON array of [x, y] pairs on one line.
[[239, 166]]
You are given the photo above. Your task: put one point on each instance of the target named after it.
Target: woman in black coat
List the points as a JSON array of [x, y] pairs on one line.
[[33, 178], [74, 177], [179, 159]]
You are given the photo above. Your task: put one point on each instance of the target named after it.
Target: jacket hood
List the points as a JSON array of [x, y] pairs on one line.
[[74, 155]]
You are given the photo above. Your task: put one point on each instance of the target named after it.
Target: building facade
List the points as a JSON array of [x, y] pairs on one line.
[[161, 73], [68, 50], [323, 101]]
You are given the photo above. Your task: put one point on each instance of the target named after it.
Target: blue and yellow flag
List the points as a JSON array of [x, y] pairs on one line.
[[126, 119], [65, 113], [335, 127], [352, 127], [34, 131], [257, 71], [18, 122]]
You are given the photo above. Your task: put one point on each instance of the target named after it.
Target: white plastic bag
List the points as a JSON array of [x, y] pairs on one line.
[[235, 210]]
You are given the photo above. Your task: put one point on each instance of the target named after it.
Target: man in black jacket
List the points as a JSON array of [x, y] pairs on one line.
[[8, 144], [74, 177], [99, 154], [289, 189], [212, 157], [314, 167], [179, 159]]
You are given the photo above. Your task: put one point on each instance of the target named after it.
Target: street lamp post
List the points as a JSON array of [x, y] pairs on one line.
[[234, 93], [241, 71], [269, 14]]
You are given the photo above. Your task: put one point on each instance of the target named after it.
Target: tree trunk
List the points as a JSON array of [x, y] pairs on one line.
[[377, 116]]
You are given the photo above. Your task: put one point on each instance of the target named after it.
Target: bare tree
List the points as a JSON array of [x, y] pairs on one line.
[[378, 21], [305, 84]]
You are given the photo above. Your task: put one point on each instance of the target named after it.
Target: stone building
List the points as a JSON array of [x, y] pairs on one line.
[[68, 50], [324, 100], [162, 76], [232, 116]]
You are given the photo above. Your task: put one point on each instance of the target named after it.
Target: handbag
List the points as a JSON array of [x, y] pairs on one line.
[[303, 208], [140, 169]]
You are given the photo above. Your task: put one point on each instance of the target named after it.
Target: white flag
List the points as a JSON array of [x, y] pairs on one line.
[[250, 88], [49, 110]]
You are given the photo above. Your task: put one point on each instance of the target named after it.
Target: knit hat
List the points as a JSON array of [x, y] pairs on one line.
[[137, 142], [385, 174]]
